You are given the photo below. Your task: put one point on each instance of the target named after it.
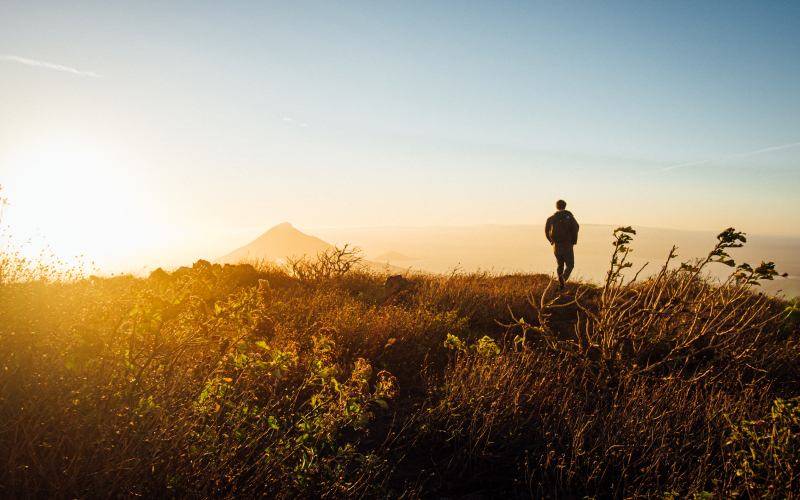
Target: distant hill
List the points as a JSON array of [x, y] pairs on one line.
[[392, 257], [284, 241], [279, 242]]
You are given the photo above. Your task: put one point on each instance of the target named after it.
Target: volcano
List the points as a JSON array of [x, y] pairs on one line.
[[279, 242]]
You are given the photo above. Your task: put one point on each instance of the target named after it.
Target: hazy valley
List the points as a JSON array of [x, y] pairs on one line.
[[520, 248]]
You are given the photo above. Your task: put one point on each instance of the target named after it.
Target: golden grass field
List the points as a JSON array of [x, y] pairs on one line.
[[314, 379]]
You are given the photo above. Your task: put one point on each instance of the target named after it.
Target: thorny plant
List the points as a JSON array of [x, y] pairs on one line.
[[332, 263], [672, 318]]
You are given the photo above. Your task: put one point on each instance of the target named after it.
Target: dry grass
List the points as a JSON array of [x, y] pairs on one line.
[[262, 380]]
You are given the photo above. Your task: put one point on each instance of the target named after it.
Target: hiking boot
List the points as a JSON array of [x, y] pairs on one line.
[[561, 282]]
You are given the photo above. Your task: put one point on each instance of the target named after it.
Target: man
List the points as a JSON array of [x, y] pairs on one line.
[[561, 231]]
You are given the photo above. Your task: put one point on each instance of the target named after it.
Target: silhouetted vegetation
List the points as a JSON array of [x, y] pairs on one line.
[[314, 380]]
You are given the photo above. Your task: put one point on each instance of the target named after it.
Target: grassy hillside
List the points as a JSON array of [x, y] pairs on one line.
[[317, 380]]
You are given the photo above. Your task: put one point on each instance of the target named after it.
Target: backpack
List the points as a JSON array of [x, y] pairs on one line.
[[560, 230]]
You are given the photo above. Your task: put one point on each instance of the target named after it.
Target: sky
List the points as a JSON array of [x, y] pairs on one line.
[[138, 131]]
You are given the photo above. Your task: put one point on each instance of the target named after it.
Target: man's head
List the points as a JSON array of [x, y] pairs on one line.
[[561, 204]]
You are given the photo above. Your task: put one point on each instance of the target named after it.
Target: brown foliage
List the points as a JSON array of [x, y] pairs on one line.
[[301, 380]]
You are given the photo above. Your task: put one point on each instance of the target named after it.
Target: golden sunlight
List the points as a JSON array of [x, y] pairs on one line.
[[78, 195]]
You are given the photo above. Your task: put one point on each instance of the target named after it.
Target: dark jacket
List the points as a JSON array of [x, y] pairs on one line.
[[570, 223]]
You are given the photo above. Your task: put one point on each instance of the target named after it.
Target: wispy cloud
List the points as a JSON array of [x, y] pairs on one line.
[[728, 157], [47, 65], [287, 119]]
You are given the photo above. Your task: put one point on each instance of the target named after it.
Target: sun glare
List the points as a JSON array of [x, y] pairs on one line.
[[78, 197]]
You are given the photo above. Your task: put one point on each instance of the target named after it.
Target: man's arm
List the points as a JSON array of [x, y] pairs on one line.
[[576, 228], [547, 226]]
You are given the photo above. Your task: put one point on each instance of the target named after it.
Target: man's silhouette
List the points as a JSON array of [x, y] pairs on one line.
[[561, 231]]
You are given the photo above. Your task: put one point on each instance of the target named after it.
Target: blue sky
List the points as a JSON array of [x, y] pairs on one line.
[[143, 121]]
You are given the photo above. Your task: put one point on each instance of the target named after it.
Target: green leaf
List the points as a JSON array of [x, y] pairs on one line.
[[71, 363], [262, 345]]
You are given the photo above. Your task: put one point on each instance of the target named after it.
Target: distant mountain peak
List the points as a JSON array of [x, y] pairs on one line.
[[279, 242], [393, 257]]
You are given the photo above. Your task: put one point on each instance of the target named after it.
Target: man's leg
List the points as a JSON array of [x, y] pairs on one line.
[[560, 261], [560, 269], [568, 256]]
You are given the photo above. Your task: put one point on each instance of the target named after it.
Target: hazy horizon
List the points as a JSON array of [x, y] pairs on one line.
[[500, 249]]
